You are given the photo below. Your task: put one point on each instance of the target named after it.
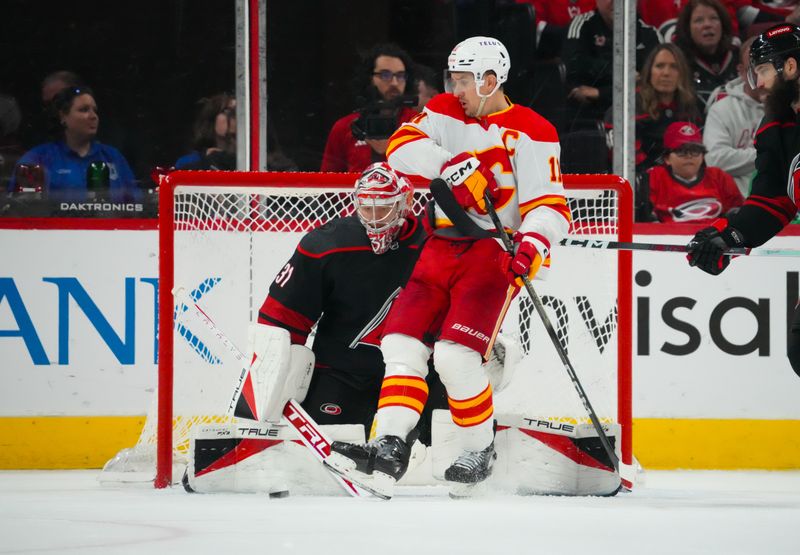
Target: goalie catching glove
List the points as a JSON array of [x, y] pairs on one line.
[[530, 251], [468, 179], [707, 247]]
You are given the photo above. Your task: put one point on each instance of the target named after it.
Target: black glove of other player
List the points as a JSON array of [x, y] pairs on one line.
[[707, 247]]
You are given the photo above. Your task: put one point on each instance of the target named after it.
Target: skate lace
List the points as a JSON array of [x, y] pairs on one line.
[[472, 460]]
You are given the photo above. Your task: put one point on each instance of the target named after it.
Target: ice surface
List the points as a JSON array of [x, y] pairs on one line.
[[673, 512]]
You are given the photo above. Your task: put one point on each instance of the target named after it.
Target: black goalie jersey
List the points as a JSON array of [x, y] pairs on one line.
[[336, 280]]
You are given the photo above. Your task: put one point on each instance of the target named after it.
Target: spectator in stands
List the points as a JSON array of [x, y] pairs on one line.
[[10, 148], [381, 81], [213, 136], [553, 18], [734, 114], [757, 15], [75, 158], [587, 55], [663, 14], [683, 188], [54, 83], [665, 95], [36, 127], [705, 34], [428, 85]]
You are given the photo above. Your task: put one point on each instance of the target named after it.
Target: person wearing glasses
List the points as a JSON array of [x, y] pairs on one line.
[[684, 188], [360, 139], [75, 162]]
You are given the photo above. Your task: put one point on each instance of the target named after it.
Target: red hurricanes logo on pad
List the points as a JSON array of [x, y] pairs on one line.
[[331, 408]]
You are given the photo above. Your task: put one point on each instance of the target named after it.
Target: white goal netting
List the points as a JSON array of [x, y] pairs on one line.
[[230, 238]]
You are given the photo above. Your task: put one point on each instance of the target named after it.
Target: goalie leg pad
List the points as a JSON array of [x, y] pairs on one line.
[[278, 371], [257, 457]]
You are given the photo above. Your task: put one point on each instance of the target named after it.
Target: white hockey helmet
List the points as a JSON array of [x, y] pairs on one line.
[[382, 199], [478, 55]]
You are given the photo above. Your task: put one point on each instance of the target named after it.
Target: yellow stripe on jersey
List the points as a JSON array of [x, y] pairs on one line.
[[556, 202], [405, 134]]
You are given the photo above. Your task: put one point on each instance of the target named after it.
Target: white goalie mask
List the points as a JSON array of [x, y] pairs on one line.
[[478, 55], [382, 199]]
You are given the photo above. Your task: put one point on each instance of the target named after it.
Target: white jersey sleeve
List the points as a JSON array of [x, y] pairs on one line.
[[519, 146]]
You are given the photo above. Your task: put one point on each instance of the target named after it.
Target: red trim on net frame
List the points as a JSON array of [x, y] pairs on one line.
[[317, 180]]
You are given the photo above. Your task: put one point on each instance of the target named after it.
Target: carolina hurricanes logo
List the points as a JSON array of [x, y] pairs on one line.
[[331, 408], [699, 209], [793, 190], [371, 334]]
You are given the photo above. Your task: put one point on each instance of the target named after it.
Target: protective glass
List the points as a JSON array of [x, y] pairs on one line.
[[765, 71]]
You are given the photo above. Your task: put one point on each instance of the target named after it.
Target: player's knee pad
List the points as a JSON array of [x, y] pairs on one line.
[[403, 354], [456, 365]]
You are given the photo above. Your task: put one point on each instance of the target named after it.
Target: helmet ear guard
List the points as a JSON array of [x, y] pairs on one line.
[[382, 201]]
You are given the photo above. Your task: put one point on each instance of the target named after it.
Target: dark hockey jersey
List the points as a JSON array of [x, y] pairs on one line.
[[336, 280], [769, 208]]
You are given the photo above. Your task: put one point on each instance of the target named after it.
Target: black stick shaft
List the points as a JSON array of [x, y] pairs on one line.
[[509, 245]]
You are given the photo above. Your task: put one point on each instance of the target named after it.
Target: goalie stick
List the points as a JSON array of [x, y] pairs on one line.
[[446, 201], [310, 434]]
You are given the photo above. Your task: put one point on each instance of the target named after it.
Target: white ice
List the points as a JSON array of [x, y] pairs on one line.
[[672, 513]]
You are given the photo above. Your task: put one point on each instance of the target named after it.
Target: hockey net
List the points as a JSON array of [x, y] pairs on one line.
[[224, 236]]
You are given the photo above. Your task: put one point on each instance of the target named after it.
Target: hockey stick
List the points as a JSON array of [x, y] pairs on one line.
[[663, 247], [457, 215], [310, 434]]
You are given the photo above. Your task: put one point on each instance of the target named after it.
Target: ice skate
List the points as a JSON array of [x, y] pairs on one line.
[[375, 466], [472, 467]]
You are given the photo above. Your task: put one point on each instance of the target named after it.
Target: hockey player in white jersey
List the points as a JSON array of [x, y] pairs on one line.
[[478, 141]]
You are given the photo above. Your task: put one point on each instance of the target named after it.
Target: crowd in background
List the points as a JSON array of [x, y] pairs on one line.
[[696, 114]]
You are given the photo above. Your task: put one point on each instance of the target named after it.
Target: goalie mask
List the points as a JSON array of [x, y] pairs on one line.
[[382, 199]]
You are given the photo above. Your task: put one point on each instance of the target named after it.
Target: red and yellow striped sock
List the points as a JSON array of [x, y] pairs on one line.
[[404, 391], [472, 411]]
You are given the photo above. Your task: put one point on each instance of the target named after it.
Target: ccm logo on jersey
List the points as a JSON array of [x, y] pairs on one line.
[[471, 332]]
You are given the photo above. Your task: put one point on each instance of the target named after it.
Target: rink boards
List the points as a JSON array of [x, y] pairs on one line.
[[712, 387]]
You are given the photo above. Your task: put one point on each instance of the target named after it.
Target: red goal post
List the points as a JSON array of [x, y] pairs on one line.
[[199, 209]]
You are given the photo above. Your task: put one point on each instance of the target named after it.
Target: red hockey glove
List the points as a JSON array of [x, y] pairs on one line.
[[530, 253], [468, 179], [707, 247]]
